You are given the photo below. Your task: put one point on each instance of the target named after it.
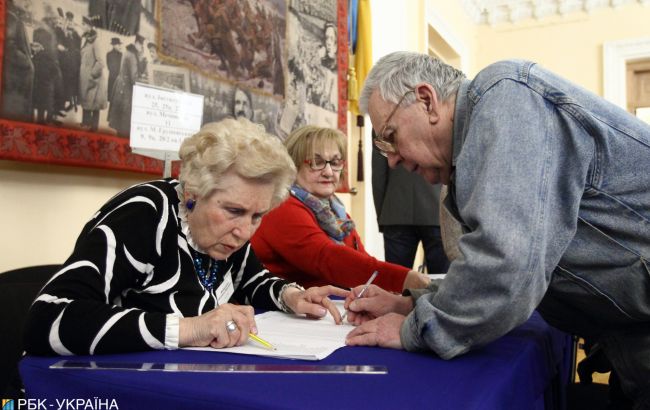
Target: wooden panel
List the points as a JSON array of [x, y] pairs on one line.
[[638, 84]]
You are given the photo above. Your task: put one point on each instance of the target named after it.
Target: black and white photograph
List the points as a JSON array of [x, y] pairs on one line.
[[171, 77], [312, 87], [70, 67], [235, 40], [77, 62], [223, 100]]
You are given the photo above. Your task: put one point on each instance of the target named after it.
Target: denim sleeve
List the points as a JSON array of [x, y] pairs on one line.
[[415, 294], [519, 179]]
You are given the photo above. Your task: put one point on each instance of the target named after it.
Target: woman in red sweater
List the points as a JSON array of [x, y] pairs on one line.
[[310, 239]]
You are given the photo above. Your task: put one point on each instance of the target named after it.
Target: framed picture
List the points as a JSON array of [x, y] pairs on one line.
[[68, 68], [55, 103], [172, 77]]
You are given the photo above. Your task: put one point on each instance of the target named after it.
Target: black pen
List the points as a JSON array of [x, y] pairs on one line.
[[365, 287]]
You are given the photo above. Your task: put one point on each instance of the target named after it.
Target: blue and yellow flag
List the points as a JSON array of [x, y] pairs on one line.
[[360, 49]]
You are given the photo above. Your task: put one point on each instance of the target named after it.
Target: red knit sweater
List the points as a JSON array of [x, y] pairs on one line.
[[292, 245]]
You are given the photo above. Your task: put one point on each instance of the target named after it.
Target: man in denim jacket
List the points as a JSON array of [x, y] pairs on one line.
[[551, 184]]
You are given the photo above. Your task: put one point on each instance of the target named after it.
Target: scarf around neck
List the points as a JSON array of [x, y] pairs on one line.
[[330, 214]]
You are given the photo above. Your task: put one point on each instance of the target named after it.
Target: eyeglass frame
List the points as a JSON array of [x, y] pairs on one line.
[[385, 147], [309, 162]]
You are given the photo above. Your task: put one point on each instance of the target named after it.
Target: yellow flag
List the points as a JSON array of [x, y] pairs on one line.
[[363, 55]]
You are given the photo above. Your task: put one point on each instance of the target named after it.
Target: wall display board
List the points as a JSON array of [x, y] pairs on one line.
[[69, 68]]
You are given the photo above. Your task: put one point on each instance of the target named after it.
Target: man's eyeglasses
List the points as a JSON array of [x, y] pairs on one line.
[[319, 164], [387, 144]]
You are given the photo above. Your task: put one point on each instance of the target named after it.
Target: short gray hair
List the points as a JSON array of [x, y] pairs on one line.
[[396, 73], [235, 145]]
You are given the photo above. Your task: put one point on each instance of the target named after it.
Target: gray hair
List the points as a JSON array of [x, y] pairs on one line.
[[235, 145], [396, 73]]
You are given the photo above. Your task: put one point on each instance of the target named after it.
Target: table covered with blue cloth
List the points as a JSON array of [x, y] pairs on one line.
[[526, 369]]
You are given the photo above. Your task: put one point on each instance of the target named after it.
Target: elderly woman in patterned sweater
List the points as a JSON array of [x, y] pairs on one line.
[[310, 238], [167, 264]]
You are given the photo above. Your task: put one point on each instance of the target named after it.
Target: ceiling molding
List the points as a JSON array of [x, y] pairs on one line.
[[495, 12]]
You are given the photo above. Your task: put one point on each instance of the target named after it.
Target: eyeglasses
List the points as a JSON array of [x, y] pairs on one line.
[[388, 145], [319, 164]]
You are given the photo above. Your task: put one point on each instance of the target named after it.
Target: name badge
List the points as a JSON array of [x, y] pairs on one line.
[[225, 290]]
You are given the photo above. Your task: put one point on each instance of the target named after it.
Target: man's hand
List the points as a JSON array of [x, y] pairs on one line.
[[375, 302], [382, 332]]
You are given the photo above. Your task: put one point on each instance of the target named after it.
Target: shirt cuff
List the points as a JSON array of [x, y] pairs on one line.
[[172, 329], [418, 293], [409, 334]]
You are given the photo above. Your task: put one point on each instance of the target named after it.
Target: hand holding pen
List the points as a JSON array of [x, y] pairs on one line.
[[363, 290], [376, 302]]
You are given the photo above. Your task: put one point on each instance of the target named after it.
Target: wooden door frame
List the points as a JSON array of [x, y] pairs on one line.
[[616, 54]]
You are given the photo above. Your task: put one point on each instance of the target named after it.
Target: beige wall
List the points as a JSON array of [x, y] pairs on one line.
[[44, 207], [571, 45]]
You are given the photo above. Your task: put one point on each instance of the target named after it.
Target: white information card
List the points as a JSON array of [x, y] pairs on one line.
[[161, 119]]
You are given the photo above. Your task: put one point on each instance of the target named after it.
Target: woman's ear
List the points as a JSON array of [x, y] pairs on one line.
[[190, 200]]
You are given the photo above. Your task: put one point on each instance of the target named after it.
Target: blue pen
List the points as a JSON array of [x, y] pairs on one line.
[[363, 290]]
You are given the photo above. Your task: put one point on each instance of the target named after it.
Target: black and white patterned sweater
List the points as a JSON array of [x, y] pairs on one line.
[[131, 276]]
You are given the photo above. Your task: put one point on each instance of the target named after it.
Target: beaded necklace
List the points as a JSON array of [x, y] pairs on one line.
[[207, 279]]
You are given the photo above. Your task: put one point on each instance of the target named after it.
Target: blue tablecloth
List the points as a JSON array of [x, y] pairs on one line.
[[526, 369]]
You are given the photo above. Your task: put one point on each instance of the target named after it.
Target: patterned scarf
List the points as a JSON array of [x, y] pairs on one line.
[[330, 214]]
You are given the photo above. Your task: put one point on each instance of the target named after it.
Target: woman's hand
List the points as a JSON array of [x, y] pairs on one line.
[[314, 302], [416, 280], [210, 329], [375, 302]]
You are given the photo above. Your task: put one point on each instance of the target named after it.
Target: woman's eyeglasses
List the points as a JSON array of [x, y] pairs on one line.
[[319, 164], [387, 144]]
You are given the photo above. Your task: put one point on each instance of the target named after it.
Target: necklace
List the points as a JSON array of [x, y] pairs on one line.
[[207, 279]]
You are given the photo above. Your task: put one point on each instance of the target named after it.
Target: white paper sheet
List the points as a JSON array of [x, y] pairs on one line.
[[294, 337]]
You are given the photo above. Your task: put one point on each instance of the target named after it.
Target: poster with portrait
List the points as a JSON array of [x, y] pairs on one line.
[[312, 87], [224, 99], [69, 66]]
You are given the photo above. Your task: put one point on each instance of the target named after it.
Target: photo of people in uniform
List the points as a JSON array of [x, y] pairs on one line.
[[237, 40], [74, 63], [65, 67]]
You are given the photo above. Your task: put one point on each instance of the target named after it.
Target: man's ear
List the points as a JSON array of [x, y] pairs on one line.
[[425, 94]]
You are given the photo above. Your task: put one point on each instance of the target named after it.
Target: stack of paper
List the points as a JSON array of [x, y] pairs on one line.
[[294, 337]]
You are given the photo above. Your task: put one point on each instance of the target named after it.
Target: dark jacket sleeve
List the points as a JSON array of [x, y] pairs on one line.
[[379, 178]]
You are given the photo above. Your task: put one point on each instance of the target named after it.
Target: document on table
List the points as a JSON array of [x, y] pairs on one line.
[[293, 336]]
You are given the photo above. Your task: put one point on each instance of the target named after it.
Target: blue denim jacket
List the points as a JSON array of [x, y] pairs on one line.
[[552, 186]]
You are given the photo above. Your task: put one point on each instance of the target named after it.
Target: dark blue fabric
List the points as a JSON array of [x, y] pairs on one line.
[[353, 24], [523, 370]]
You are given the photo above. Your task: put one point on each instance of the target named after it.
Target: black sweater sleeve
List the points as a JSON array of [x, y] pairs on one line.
[[79, 311]]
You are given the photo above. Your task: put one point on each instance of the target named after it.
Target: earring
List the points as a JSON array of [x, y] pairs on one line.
[[190, 204]]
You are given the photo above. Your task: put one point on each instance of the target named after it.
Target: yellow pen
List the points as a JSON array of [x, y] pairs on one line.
[[261, 341]]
